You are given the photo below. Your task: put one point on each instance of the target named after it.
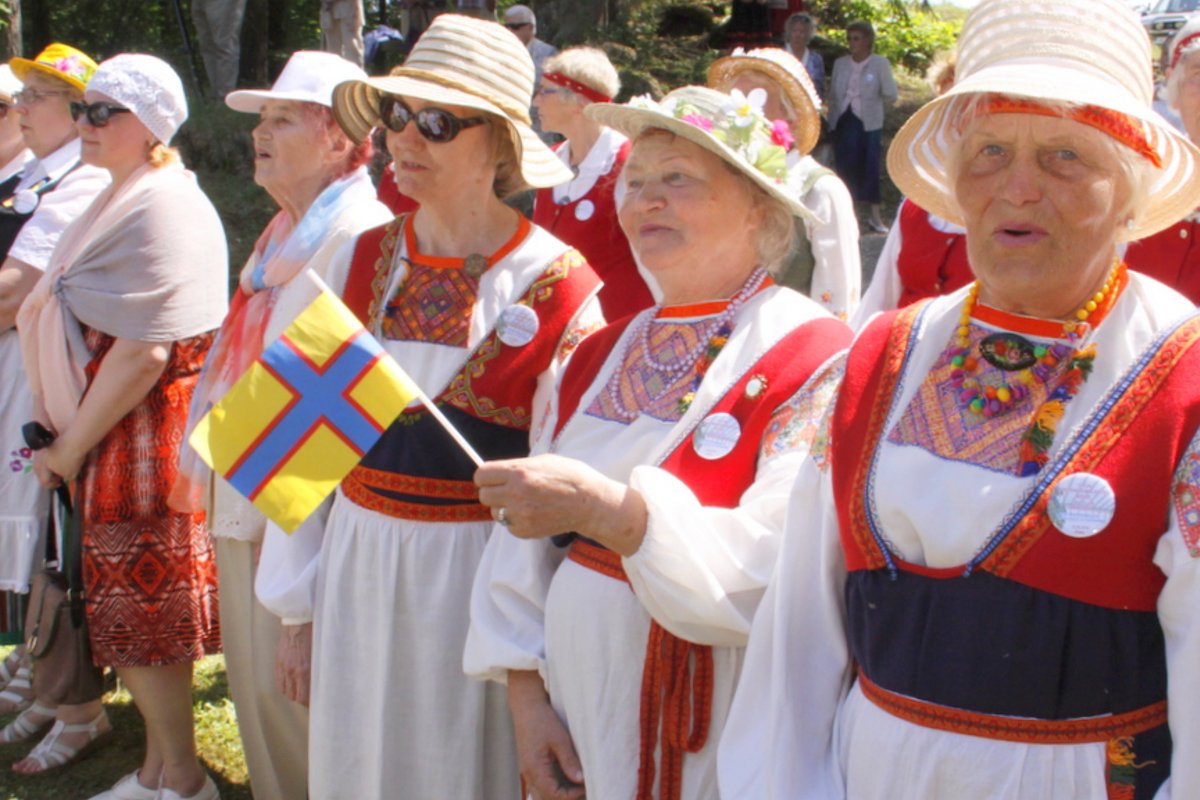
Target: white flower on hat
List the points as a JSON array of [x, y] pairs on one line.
[[743, 108]]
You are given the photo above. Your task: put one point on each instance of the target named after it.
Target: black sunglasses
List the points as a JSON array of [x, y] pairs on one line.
[[516, 26], [98, 114], [435, 124]]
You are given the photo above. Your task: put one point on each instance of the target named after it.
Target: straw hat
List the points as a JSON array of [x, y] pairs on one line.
[[723, 124], [308, 77], [58, 61], [1040, 51], [783, 68], [461, 61], [148, 87]]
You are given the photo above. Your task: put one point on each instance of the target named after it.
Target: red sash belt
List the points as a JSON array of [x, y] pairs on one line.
[[677, 690], [1014, 729], [358, 486]]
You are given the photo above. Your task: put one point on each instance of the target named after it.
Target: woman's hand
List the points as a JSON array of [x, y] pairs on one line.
[[60, 462], [42, 471], [549, 494], [545, 754], [293, 662]]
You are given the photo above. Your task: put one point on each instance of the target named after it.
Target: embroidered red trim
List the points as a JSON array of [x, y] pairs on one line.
[[416, 485], [1179, 48], [1147, 384], [1125, 129], [1014, 729], [575, 86], [360, 494], [597, 558], [1046, 328]]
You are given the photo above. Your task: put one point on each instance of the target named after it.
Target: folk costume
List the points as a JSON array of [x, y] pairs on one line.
[[924, 256], [714, 457], [1171, 256], [827, 265], [392, 556], [1035, 667], [126, 269], [583, 213]]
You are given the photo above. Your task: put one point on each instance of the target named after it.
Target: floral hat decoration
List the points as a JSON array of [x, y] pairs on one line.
[[731, 126], [58, 61]]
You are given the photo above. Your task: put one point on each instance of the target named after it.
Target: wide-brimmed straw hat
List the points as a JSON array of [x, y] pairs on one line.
[[58, 61], [468, 62], [308, 77], [726, 125], [1086, 52], [783, 68]]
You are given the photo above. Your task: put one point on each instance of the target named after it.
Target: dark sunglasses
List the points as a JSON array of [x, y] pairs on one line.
[[435, 124], [98, 114], [516, 26]]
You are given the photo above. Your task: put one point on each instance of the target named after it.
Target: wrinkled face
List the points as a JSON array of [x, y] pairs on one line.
[[435, 172], [523, 30], [799, 35], [289, 148], [1043, 202], [556, 105], [749, 81], [1189, 94], [46, 121], [121, 145], [689, 219]]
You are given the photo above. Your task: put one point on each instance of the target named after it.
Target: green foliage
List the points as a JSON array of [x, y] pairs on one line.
[[907, 36], [650, 63]]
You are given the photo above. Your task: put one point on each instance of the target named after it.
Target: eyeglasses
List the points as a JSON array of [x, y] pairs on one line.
[[29, 97], [546, 90], [435, 124], [98, 114], [516, 26]]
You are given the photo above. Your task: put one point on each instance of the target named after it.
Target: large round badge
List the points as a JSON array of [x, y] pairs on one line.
[[716, 436], [585, 210], [1082, 505], [517, 326], [25, 202]]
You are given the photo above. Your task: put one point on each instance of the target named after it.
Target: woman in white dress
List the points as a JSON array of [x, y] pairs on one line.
[[675, 440], [995, 595]]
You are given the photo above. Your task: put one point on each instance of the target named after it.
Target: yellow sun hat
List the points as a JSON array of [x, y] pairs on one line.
[[58, 61]]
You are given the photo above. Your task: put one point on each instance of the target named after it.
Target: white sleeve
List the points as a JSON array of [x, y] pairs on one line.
[[837, 272], [1178, 556], [778, 742], [57, 209], [883, 293], [701, 571], [286, 580]]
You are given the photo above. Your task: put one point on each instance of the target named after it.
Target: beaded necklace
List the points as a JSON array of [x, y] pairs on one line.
[[699, 359], [1032, 365]]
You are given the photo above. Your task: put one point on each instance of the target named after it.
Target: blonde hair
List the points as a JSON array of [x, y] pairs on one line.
[[506, 149], [588, 65], [1134, 173], [163, 156]]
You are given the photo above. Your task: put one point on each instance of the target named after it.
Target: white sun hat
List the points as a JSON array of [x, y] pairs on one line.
[[468, 62], [728, 125], [1085, 52], [147, 86], [308, 77], [784, 69]]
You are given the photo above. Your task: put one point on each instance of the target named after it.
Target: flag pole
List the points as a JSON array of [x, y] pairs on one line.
[[448, 425]]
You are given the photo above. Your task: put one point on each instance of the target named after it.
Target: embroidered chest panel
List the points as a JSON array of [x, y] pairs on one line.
[[431, 305], [657, 372], [938, 421]]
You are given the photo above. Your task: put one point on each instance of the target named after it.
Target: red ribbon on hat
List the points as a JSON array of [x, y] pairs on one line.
[[1182, 44], [1125, 129], [575, 86]]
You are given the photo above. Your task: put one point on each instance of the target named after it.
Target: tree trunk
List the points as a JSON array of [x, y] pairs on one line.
[[12, 34]]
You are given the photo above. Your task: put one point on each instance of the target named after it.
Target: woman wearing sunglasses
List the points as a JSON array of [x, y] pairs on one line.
[[477, 305], [113, 337], [51, 190]]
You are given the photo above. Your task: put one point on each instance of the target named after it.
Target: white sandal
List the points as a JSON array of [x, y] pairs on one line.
[[10, 666], [18, 691], [208, 791], [23, 727], [51, 753], [128, 788]]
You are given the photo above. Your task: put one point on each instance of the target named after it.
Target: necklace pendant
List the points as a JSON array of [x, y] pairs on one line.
[[1009, 352], [475, 265]]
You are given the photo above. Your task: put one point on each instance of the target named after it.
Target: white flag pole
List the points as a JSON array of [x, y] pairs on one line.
[[449, 426]]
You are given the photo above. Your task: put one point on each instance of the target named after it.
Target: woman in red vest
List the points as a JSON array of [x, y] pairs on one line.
[[675, 440], [995, 595]]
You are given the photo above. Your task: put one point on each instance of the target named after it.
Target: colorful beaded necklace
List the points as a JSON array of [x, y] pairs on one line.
[[1031, 365]]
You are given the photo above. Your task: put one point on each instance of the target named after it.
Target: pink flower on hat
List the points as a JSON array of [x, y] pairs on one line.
[[781, 134], [703, 123], [70, 65]]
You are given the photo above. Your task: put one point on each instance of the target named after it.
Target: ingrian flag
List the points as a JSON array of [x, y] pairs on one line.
[[305, 413]]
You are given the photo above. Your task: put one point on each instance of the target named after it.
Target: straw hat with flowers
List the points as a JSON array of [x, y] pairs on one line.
[[793, 79], [58, 61]]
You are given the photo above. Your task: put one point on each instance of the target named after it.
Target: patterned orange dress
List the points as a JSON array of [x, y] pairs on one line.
[[150, 572]]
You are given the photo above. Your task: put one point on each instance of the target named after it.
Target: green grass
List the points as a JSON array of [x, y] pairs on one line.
[[217, 741]]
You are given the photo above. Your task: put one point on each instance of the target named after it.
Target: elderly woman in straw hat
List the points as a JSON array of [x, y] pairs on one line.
[[1173, 254], [583, 211], [824, 263], [319, 179], [478, 305], [113, 338], [674, 443], [995, 596]]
